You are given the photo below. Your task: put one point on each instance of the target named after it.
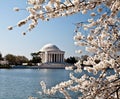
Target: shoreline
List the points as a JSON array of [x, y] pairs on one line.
[[41, 66], [35, 67]]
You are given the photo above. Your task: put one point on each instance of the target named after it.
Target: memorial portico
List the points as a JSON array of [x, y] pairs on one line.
[[51, 54]]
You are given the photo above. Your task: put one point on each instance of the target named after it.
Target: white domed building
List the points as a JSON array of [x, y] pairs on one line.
[[50, 53]]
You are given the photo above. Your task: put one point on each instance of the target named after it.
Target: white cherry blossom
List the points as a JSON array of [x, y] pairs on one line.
[[102, 41]]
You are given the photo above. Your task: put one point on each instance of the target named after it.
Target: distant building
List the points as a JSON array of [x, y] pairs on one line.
[[3, 62], [51, 54]]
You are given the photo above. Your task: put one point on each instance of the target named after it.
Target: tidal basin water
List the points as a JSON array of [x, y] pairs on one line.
[[21, 83]]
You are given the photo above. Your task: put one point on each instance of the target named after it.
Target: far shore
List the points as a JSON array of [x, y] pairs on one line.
[[42, 66], [35, 67]]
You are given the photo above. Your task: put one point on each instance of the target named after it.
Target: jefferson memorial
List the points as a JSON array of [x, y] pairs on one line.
[[50, 53]]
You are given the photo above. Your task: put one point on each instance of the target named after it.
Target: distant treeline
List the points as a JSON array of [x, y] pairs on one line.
[[5, 66]]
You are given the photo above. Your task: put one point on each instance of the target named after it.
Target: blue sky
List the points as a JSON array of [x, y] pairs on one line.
[[59, 31]]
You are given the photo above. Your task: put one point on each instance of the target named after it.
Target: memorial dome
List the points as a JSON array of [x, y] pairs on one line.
[[49, 47]]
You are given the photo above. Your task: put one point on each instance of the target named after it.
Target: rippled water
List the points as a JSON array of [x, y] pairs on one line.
[[21, 83]]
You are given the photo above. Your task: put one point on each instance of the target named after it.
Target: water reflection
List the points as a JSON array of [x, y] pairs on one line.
[[21, 83]]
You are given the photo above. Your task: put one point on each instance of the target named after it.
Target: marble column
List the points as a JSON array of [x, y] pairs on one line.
[[54, 57], [57, 57], [51, 58], [62, 58], [48, 57], [45, 56]]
